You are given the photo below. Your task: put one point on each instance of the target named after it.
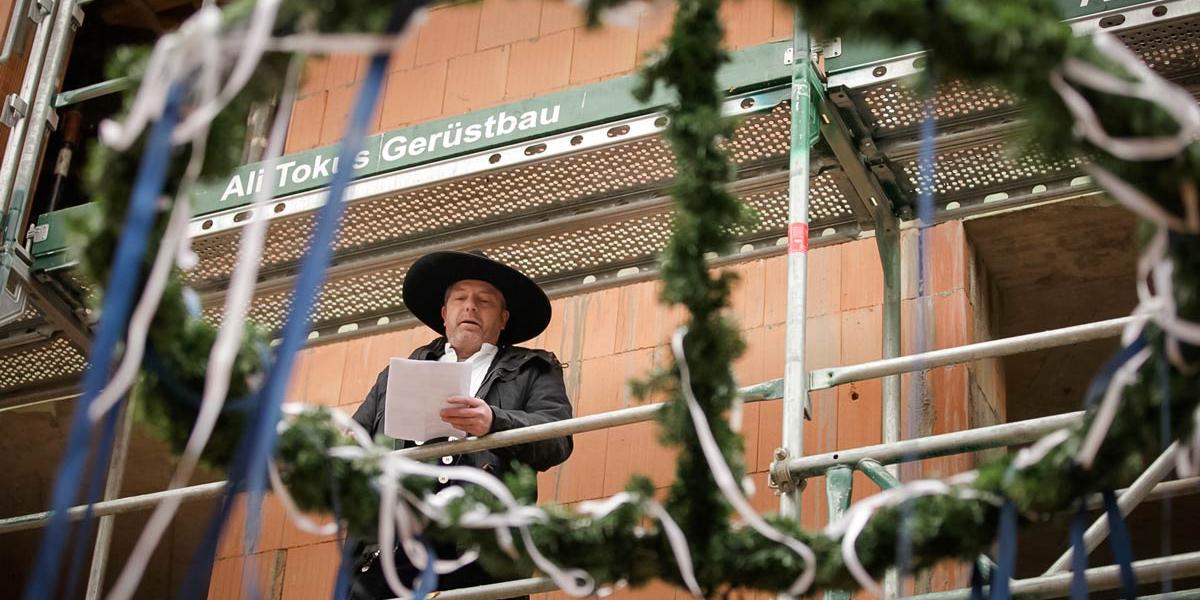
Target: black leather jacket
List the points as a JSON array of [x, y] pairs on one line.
[[523, 386]]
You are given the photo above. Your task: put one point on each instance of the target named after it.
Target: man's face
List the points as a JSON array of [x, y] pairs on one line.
[[474, 313]]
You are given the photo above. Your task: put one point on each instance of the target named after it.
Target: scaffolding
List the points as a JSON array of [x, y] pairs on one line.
[[844, 188]]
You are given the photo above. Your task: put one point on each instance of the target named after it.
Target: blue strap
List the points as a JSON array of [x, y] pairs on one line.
[[1166, 522], [86, 526], [1100, 382], [200, 567], [976, 582], [120, 289], [180, 391], [250, 464], [426, 582], [1122, 547], [1079, 554], [1006, 553], [341, 587]]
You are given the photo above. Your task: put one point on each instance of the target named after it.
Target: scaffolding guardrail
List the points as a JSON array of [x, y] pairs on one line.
[[769, 390], [820, 379], [1046, 586], [1108, 577], [944, 444]]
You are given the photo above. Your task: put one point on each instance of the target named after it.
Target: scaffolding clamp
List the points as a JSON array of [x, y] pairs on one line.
[[779, 478], [14, 109]]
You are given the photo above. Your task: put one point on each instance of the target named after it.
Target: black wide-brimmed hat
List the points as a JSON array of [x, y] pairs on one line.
[[426, 282]]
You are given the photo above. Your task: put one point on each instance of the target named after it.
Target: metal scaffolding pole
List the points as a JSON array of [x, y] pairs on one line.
[[1177, 566], [1167, 489], [970, 440], [839, 487], [114, 507], [887, 239], [16, 198], [112, 491], [40, 113], [827, 378], [795, 378], [1137, 492], [33, 70], [504, 589]]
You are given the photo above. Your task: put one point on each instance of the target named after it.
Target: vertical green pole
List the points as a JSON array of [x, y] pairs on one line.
[[795, 382], [887, 238], [839, 485]]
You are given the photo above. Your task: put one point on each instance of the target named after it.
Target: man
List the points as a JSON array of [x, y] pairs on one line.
[[466, 298]]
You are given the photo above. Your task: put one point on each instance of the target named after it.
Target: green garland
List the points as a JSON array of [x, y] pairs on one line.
[[1013, 44]]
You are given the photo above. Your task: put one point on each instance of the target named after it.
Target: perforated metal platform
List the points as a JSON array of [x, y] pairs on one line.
[[601, 215]]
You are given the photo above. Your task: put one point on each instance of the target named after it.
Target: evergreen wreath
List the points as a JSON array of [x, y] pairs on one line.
[[1020, 45]]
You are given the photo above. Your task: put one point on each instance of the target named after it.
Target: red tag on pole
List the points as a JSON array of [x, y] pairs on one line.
[[797, 237]]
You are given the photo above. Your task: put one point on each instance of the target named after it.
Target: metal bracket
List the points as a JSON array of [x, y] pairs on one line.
[[871, 197], [54, 308], [779, 478], [41, 10], [14, 297], [15, 108], [76, 17], [52, 119], [38, 233], [828, 49]]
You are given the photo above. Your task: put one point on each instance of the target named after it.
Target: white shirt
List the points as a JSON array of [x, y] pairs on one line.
[[480, 362]]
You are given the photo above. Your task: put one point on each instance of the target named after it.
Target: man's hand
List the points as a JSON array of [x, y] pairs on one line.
[[471, 415]]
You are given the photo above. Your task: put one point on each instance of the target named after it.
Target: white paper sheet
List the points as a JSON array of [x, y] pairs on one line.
[[416, 391]]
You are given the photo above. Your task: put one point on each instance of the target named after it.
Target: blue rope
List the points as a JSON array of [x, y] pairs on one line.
[[121, 287], [1006, 553], [1079, 554], [1122, 547], [249, 471]]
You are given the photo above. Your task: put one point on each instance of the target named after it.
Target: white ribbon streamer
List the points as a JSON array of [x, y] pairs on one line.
[[725, 481]]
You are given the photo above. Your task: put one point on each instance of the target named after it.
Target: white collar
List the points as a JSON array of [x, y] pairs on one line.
[[486, 351]]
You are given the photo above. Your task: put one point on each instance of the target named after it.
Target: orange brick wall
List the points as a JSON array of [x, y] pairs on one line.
[[473, 56], [611, 335]]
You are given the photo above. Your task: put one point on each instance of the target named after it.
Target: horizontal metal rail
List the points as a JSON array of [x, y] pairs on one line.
[[1162, 491], [1178, 566], [89, 92], [763, 391], [534, 433], [970, 440], [821, 379], [1100, 578], [115, 507], [504, 589]]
